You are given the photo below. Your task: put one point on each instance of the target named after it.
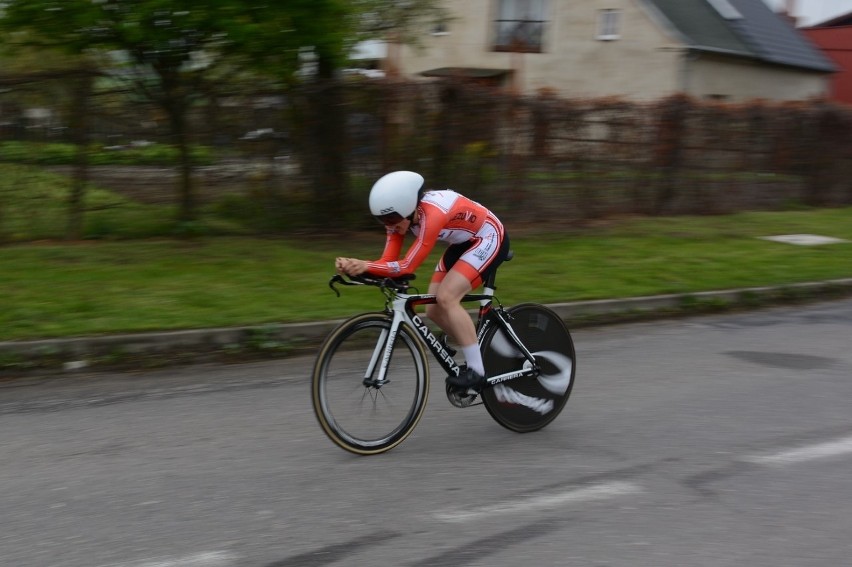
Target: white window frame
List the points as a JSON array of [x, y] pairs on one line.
[[609, 24]]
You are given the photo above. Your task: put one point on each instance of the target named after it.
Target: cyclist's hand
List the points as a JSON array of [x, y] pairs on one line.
[[350, 266]]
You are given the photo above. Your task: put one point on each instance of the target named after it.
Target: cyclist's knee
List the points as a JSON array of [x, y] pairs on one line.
[[441, 311], [451, 291], [447, 300]]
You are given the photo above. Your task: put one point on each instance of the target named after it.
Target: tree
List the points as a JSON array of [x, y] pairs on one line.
[[163, 50], [327, 30], [399, 22], [169, 48], [68, 78], [324, 30]]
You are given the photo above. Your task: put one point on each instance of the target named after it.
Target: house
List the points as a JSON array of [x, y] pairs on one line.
[[638, 49], [834, 38]]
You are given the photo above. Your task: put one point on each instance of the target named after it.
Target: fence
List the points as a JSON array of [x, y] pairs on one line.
[[534, 159]]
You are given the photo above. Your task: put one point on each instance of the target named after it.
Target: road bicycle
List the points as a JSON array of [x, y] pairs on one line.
[[370, 381]]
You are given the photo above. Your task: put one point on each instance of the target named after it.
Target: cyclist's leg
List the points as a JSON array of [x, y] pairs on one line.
[[462, 269], [436, 311], [449, 314]]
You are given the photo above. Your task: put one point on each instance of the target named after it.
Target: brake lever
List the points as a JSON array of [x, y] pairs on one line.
[[338, 279]]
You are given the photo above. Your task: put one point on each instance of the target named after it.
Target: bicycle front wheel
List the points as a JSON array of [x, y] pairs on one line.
[[528, 404], [356, 411]]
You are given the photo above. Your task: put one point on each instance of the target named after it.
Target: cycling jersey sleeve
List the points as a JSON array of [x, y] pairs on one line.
[[393, 246], [389, 265]]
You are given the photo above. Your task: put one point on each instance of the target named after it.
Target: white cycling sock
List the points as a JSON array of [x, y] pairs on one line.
[[473, 357]]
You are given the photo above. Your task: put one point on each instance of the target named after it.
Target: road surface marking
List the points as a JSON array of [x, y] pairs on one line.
[[205, 559], [597, 492], [802, 454]]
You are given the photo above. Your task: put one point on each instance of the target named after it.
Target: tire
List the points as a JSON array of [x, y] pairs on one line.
[[528, 404], [363, 419]]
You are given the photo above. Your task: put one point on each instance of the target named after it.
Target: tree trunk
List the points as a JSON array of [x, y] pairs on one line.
[[80, 134], [328, 130], [176, 110], [187, 211]]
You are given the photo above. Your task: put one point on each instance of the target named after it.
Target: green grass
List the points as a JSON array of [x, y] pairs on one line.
[[33, 206], [46, 153], [56, 290]]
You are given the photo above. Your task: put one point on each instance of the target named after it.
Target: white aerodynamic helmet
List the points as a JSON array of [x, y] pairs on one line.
[[394, 197]]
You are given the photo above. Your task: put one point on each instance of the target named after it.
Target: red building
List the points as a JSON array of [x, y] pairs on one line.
[[834, 38]]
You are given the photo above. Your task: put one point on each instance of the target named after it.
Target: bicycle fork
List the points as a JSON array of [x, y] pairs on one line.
[[382, 353]]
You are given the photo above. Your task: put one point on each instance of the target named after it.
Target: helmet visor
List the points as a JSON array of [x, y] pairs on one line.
[[390, 219]]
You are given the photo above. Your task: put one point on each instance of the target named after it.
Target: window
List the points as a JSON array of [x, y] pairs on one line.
[[609, 25], [520, 25], [440, 28]]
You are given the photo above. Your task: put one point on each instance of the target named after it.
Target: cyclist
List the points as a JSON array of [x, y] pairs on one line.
[[478, 244]]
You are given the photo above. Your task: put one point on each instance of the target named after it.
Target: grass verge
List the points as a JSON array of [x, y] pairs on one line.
[[58, 290]]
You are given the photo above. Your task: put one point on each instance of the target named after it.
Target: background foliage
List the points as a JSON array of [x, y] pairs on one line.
[[248, 116], [534, 159]]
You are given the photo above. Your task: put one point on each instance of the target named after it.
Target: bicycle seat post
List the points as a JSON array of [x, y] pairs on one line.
[[489, 286]]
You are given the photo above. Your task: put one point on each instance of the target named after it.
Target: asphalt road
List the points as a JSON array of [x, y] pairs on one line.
[[712, 441]]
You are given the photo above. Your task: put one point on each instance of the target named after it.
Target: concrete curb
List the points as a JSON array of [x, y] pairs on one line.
[[77, 351]]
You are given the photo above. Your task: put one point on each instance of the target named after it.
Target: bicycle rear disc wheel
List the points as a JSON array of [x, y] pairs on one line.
[[528, 404], [353, 410]]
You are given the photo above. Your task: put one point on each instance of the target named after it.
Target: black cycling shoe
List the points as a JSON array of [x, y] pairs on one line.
[[467, 378]]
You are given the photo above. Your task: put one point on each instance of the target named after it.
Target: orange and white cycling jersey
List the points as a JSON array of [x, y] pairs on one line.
[[445, 216]]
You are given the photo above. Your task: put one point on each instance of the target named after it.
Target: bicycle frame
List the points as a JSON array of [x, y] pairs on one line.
[[402, 306], [386, 352]]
